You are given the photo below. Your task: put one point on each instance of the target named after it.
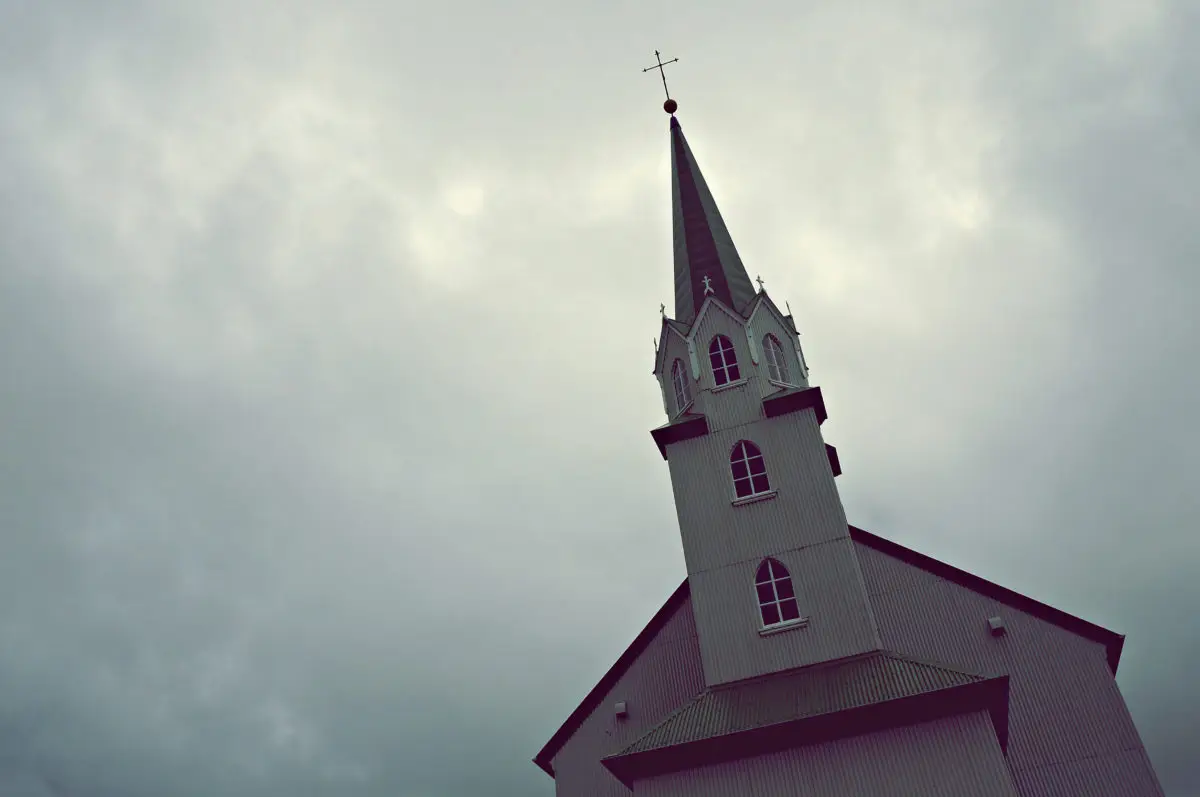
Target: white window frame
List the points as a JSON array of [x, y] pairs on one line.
[[728, 358], [777, 366], [774, 579], [745, 459], [681, 389]]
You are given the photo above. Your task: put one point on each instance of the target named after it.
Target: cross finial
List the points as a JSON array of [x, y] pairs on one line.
[[662, 310], [759, 280], [708, 288], [670, 104]]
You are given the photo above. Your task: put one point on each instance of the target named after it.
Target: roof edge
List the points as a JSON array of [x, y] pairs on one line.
[[610, 678], [990, 694], [1112, 641]]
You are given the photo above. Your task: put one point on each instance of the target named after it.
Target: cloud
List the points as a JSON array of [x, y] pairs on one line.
[[325, 333]]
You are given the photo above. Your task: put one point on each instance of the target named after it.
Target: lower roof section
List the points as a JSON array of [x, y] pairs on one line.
[[1113, 642], [809, 705]]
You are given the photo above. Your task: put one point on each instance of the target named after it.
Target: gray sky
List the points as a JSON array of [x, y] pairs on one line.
[[325, 340]]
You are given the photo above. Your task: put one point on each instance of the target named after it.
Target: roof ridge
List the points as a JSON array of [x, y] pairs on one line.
[[934, 665], [803, 668], [799, 694]]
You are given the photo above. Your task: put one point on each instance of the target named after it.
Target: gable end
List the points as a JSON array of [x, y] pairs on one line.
[[610, 678], [1112, 642]]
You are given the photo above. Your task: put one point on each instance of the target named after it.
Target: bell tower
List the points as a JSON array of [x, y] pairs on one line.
[[774, 578]]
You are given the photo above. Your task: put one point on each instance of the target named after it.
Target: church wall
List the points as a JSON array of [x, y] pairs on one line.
[[733, 407], [719, 322], [764, 322], [829, 591], [1068, 724], [806, 511], [665, 676], [676, 349], [952, 757]]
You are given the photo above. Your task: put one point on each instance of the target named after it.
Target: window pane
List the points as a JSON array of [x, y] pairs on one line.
[[760, 484], [742, 488], [784, 587], [764, 572], [789, 609], [739, 469], [783, 371], [720, 375], [778, 571], [757, 466], [765, 594], [770, 614], [733, 372]]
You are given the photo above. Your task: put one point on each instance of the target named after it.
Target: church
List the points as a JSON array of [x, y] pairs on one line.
[[803, 655]]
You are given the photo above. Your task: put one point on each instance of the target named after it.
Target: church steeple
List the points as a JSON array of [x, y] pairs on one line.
[[706, 261], [774, 580]]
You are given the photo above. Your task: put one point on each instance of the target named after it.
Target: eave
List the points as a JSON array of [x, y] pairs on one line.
[[685, 427], [989, 695]]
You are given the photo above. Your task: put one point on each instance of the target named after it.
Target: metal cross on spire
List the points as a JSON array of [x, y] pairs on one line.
[[659, 66], [760, 283]]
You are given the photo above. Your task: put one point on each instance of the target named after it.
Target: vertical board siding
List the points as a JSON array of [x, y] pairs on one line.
[[735, 407], [829, 591], [1125, 773], [764, 323], [1064, 706], [665, 676], [952, 757], [718, 322], [807, 509]]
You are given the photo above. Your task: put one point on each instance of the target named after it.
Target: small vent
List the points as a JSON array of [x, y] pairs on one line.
[[622, 710], [996, 625]]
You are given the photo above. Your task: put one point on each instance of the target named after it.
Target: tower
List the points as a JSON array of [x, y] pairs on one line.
[[775, 581], [803, 655]]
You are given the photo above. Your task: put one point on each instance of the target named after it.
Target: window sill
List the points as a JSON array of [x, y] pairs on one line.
[[799, 622], [777, 383], [754, 499], [729, 385], [683, 411]]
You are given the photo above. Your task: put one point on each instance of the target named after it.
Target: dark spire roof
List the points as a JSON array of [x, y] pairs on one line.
[[703, 247]]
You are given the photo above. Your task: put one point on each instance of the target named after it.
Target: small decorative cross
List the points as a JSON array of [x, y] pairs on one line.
[[659, 66], [662, 310], [708, 288], [760, 283]]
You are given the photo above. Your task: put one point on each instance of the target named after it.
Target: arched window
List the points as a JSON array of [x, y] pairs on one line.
[[724, 360], [777, 366], [749, 470], [776, 598], [679, 381]]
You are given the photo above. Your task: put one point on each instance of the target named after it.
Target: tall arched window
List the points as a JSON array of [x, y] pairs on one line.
[[724, 360], [777, 366], [776, 598], [679, 381], [749, 470]]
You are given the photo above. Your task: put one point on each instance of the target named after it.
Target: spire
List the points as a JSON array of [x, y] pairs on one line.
[[706, 261]]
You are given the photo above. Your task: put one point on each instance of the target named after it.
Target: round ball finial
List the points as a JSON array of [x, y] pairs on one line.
[[670, 106]]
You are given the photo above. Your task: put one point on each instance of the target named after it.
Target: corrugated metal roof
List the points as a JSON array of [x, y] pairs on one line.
[[1112, 641], [796, 694]]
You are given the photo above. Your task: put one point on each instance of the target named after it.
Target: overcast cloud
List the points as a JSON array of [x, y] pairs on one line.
[[325, 339]]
